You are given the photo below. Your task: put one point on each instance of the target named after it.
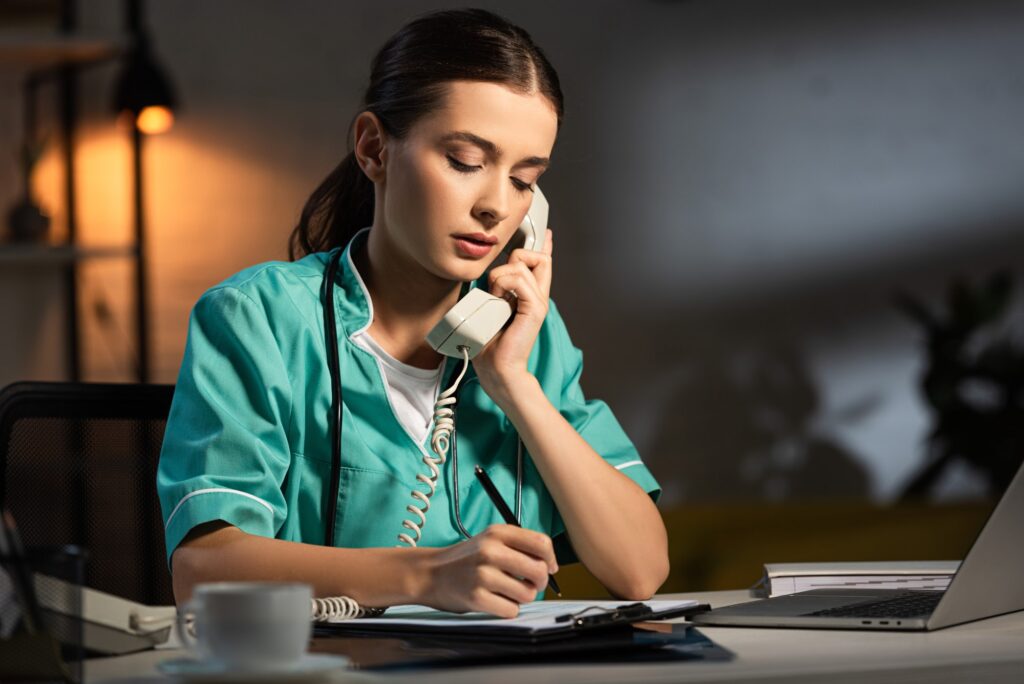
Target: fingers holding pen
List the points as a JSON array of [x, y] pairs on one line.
[[535, 544], [495, 571]]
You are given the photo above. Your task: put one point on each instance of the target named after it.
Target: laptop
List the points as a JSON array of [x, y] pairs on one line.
[[989, 582]]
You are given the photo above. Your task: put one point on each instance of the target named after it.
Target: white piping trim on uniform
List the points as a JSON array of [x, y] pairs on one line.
[[216, 490], [380, 367], [628, 464], [362, 285]]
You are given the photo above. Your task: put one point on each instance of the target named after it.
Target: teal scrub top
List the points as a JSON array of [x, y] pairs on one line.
[[247, 438]]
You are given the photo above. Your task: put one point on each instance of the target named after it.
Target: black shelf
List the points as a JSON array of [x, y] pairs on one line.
[[41, 51], [15, 254]]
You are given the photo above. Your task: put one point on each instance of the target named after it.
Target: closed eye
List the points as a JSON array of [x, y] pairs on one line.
[[459, 166], [519, 185]]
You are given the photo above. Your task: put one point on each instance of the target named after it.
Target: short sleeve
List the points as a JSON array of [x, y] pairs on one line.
[[595, 422], [225, 452]]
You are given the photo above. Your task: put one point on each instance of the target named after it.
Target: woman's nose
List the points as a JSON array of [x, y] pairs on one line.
[[492, 207]]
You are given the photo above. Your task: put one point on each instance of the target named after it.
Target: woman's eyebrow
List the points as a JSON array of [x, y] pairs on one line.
[[492, 149]]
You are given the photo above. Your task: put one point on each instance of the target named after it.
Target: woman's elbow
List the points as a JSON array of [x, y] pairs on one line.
[[190, 562], [643, 582], [183, 574]]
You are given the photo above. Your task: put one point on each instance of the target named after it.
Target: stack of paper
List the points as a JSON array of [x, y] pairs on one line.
[[781, 579]]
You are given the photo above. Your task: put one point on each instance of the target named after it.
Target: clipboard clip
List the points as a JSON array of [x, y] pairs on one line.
[[626, 613]]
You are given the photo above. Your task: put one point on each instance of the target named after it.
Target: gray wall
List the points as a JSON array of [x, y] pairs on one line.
[[738, 189]]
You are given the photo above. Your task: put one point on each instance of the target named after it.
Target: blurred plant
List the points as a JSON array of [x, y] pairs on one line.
[[974, 383]]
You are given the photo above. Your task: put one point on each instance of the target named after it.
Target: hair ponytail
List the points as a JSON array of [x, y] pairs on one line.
[[340, 206], [407, 80]]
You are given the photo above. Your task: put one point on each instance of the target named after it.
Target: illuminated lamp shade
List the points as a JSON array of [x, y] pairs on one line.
[[144, 93], [155, 119]]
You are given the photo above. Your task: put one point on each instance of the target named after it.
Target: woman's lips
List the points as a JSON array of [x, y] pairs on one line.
[[471, 248]]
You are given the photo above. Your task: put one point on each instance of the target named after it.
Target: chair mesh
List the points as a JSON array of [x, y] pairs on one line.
[[74, 478]]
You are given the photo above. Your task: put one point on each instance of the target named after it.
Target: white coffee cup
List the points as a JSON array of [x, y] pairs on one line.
[[248, 625]]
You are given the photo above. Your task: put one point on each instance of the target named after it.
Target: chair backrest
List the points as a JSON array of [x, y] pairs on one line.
[[78, 466]]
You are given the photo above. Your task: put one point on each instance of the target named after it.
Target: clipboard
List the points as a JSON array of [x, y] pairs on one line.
[[673, 642], [554, 624]]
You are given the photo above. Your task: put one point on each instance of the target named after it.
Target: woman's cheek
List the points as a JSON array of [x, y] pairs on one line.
[[446, 200], [407, 196]]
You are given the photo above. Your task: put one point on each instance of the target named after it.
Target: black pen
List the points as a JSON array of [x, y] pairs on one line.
[[509, 517]]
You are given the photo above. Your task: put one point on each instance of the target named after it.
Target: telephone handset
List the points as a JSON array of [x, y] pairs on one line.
[[462, 333], [479, 316]]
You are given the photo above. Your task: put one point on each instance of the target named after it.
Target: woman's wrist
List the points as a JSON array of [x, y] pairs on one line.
[[402, 576], [419, 575], [516, 393], [508, 389]]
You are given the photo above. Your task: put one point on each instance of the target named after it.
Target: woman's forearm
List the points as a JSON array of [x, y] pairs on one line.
[[615, 528], [375, 577]]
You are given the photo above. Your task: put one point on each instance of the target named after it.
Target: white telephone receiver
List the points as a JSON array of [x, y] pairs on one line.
[[479, 316], [462, 333]]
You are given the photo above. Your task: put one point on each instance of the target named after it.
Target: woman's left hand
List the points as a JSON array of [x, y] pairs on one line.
[[528, 275]]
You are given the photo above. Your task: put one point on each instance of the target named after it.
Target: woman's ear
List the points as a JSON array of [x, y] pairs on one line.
[[370, 150]]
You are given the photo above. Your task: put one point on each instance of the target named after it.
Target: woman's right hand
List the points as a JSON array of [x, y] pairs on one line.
[[493, 572]]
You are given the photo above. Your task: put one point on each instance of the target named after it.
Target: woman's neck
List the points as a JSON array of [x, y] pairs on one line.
[[407, 300]]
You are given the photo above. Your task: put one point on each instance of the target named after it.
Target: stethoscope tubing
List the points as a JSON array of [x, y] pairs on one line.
[[335, 418]]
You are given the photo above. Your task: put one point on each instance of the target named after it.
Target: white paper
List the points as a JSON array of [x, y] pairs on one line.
[[792, 585]]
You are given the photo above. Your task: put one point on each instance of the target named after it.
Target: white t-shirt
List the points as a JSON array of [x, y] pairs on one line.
[[412, 391]]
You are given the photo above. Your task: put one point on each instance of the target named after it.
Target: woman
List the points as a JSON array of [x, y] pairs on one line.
[[458, 124]]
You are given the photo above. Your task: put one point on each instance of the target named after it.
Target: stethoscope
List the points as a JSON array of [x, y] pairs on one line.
[[335, 418]]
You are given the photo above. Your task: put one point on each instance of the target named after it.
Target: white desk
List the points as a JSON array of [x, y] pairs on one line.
[[980, 652]]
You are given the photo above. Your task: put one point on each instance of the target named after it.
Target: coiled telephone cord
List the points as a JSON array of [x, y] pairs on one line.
[[440, 441], [341, 608]]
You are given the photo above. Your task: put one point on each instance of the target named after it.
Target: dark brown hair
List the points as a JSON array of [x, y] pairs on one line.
[[407, 81]]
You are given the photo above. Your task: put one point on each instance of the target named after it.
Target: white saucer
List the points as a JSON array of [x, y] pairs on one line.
[[311, 665]]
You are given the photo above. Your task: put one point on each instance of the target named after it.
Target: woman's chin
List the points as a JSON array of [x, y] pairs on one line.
[[463, 272]]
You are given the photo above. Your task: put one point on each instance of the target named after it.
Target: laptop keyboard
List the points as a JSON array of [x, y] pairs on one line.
[[917, 604]]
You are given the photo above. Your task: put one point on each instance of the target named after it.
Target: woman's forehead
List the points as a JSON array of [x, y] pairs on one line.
[[519, 125]]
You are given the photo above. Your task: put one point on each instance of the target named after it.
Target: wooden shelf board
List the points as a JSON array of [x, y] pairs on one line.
[[39, 51], [16, 254]]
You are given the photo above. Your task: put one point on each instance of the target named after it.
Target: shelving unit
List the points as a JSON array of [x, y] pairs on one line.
[[59, 57]]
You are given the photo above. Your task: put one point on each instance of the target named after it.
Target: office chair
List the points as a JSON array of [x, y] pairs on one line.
[[78, 466]]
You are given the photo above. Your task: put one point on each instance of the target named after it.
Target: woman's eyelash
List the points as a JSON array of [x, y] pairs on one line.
[[467, 168], [459, 166]]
